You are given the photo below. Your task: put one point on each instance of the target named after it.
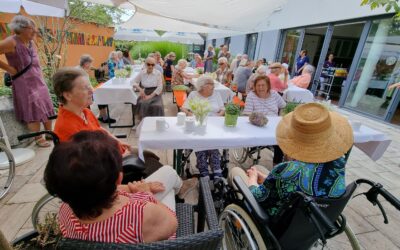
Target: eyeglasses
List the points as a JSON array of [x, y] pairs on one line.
[[150, 64]]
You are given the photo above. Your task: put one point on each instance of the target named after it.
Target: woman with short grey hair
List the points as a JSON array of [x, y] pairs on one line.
[[179, 76], [222, 71], [85, 61], [205, 91], [32, 103]]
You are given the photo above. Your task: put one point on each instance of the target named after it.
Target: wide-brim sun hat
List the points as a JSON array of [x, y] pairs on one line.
[[275, 65], [313, 134]]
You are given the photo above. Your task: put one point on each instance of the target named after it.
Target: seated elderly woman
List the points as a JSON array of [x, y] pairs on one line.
[[179, 75], [205, 91], [150, 85], [223, 73], [317, 141], [303, 80], [276, 83], [85, 173], [73, 90], [261, 71], [266, 101]]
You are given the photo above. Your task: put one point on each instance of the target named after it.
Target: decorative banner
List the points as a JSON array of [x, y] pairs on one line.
[[72, 37]]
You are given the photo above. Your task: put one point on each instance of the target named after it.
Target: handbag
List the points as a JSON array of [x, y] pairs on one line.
[[8, 78]]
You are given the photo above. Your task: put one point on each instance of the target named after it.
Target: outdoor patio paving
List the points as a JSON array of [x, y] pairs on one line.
[[365, 220]]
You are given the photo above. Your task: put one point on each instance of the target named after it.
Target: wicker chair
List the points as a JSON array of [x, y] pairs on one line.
[[186, 236]]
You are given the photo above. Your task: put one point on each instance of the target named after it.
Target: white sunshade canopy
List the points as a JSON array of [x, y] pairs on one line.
[[55, 8], [136, 35], [183, 37]]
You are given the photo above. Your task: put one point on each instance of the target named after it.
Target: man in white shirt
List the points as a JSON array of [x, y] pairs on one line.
[[149, 83]]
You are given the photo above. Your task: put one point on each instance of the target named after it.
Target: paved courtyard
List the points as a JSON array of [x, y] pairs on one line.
[[365, 220]]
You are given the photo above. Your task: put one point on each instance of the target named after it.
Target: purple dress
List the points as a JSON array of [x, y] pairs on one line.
[[31, 97]]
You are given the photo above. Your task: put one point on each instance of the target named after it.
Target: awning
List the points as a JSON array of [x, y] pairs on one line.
[[183, 37], [136, 35], [55, 8]]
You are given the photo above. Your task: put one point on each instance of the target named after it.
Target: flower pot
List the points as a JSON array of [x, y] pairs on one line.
[[201, 120], [180, 97], [231, 120]]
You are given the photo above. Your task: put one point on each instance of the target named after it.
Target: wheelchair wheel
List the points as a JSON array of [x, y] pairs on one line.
[[7, 173], [331, 242], [240, 154], [240, 232], [47, 204]]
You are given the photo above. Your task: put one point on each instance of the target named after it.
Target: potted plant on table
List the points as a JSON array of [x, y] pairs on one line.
[[120, 76], [180, 94], [232, 112], [129, 70], [200, 109]]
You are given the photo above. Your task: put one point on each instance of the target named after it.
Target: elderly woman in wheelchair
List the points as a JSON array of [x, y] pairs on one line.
[[300, 201]]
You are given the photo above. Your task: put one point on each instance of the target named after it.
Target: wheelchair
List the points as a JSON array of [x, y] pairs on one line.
[[134, 170], [254, 153], [7, 173], [305, 223]]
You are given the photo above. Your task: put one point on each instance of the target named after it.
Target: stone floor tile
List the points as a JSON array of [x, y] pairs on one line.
[[357, 222], [30, 192], [13, 217], [376, 240]]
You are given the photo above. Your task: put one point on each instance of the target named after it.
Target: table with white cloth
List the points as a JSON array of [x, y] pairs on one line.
[[117, 91], [217, 136], [297, 94], [226, 93]]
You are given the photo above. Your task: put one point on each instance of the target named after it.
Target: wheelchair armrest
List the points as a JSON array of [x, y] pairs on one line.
[[259, 212], [206, 208], [56, 140], [133, 163]]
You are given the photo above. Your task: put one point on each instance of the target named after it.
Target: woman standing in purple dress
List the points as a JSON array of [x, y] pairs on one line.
[[32, 103]]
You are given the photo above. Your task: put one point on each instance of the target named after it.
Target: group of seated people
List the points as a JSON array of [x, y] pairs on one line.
[[85, 169]]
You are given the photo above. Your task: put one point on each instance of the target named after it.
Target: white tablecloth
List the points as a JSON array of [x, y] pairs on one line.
[[111, 92], [217, 136], [225, 92], [296, 94]]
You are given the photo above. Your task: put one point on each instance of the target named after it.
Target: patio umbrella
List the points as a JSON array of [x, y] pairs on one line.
[[136, 35], [183, 37], [54, 8]]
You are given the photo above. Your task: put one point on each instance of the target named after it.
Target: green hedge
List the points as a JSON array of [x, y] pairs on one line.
[[181, 50]]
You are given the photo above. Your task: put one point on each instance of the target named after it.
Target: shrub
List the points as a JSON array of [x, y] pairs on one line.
[[163, 47], [232, 109]]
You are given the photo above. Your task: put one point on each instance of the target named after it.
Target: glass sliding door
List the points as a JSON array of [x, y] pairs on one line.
[[289, 49], [378, 67], [251, 44]]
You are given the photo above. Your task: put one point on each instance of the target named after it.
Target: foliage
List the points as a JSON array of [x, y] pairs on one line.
[[199, 70], [5, 91], [49, 235], [290, 106], [388, 4], [142, 49], [121, 73], [95, 13], [55, 102], [124, 45], [128, 69], [232, 109], [180, 88], [93, 82]]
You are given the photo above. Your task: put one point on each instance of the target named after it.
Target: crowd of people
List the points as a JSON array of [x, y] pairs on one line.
[[85, 170]]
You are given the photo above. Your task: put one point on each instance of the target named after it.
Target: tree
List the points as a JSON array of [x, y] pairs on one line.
[[388, 4]]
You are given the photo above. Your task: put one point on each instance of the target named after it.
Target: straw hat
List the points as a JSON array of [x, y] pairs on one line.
[[313, 134], [275, 65]]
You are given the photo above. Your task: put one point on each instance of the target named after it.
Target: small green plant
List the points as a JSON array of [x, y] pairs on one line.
[[121, 73], [290, 106], [5, 91], [232, 109], [199, 70], [180, 88], [200, 109], [128, 69]]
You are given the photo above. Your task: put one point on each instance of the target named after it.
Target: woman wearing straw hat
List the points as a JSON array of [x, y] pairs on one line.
[[317, 141]]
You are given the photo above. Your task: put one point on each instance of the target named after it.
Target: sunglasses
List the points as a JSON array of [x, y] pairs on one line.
[[221, 63], [150, 64]]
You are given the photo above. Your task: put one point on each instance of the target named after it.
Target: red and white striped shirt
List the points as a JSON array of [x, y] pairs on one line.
[[125, 226]]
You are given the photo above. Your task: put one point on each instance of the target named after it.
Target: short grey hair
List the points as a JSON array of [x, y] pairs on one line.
[[244, 62], [223, 60], [85, 58], [309, 68], [20, 22], [151, 55], [203, 80], [181, 62], [112, 54], [261, 70], [119, 53]]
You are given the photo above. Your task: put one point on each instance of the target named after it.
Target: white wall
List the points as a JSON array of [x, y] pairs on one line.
[[237, 44], [267, 44]]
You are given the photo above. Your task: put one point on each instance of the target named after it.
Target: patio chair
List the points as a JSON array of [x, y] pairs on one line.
[[187, 238]]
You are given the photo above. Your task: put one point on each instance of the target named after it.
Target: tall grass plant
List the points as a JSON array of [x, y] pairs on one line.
[[142, 49]]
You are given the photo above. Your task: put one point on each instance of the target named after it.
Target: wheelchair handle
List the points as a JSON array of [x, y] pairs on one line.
[[55, 138], [379, 189]]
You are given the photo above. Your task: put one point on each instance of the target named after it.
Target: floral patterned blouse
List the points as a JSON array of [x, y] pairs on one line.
[[325, 180]]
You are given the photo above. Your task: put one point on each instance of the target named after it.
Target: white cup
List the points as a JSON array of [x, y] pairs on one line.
[[181, 117], [190, 124], [356, 125], [161, 124]]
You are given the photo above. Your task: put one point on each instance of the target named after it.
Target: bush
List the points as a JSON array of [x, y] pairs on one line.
[[5, 91], [163, 47]]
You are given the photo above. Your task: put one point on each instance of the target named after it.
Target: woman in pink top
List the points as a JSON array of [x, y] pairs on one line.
[[304, 79], [86, 174], [276, 83]]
